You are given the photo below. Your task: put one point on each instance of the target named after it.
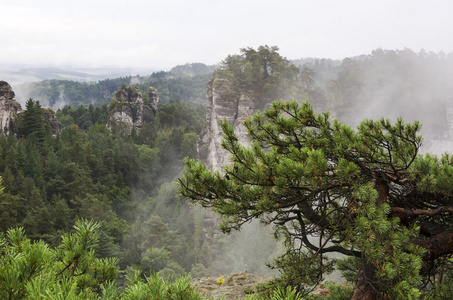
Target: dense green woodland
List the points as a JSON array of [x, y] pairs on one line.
[[96, 174], [126, 183]]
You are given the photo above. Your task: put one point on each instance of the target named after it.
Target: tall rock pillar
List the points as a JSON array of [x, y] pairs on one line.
[[9, 108]]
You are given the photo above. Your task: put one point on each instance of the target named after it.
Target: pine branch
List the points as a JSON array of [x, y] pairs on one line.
[[422, 212]]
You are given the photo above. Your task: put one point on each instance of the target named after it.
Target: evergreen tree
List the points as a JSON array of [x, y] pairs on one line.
[[260, 74], [363, 193], [31, 121]]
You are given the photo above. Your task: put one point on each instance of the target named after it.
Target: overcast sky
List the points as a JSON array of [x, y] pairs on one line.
[[165, 33]]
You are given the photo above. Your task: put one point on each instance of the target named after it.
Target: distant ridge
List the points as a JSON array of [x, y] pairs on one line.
[[81, 74]]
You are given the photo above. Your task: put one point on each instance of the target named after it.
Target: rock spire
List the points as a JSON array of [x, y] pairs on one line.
[[9, 108], [130, 110]]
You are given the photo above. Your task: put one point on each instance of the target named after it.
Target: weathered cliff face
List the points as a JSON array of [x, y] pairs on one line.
[[223, 102], [130, 110], [9, 109]]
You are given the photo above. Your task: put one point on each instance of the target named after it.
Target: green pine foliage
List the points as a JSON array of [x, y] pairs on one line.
[[260, 74], [34, 270], [309, 175], [31, 122], [71, 270], [386, 246]]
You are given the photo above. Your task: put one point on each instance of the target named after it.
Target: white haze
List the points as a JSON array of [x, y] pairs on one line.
[[25, 91], [162, 34]]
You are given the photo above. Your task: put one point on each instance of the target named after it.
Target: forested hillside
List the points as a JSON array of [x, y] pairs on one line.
[[126, 182], [91, 173]]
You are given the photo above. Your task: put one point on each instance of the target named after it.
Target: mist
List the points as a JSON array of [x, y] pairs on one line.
[[382, 84], [164, 219], [390, 84]]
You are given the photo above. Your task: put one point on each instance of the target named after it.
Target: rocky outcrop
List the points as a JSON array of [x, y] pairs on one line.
[[232, 286], [9, 109], [51, 120], [153, 96], [130, 110], [6, 91], [224, 102]]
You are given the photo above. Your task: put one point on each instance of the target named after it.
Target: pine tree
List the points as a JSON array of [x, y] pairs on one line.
[[363, 193], [31, 121], [260, 74]]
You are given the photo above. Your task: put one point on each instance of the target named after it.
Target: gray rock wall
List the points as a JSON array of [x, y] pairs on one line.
[[224, 103]]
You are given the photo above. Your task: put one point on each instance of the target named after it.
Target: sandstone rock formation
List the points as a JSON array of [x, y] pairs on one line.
[[130, 110], [223, 102], [51, 120], [9, 109], [153, 96]]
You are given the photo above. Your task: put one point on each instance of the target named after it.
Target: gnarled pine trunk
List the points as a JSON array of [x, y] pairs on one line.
[[364, 289]]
